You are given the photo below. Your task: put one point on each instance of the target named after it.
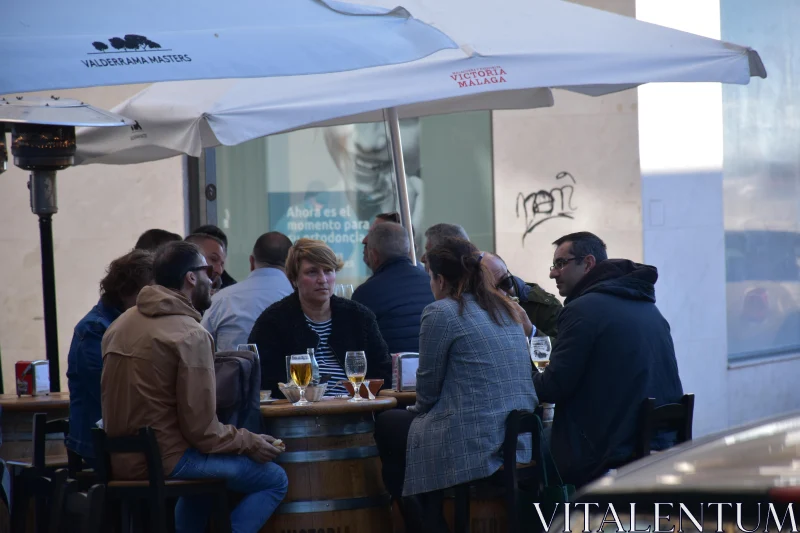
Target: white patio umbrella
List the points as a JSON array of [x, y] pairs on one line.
[[62, 45], [514, 47]]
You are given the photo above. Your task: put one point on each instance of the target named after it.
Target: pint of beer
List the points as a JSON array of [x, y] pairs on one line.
[[301, 369]]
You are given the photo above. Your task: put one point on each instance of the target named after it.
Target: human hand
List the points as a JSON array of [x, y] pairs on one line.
[[522, 317], [267, 449]]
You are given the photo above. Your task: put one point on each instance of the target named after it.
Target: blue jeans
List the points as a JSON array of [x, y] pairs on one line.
[[264, 486]]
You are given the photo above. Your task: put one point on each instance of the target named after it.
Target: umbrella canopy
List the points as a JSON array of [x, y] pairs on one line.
[[516, 50], [93, 43]]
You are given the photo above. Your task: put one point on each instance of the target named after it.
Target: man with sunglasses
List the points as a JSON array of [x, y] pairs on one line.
[[541, 307], [158, 372], [614, 350]]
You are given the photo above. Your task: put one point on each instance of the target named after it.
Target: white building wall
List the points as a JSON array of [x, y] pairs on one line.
[[102, 211], [680, 142]]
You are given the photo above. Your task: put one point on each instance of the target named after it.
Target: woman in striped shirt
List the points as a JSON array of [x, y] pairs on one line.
[[312, 317]]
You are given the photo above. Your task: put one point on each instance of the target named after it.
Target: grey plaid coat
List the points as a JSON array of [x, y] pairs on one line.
[[472, 374]]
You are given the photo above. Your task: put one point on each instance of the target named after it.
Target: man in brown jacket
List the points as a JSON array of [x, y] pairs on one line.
[[158, 371]]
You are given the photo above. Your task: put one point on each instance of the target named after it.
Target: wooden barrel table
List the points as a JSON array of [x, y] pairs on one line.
[[334, 471], [404, 398], [16, 423]]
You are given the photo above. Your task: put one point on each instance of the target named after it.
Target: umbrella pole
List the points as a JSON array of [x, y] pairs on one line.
[[393, 120], [43, 203]]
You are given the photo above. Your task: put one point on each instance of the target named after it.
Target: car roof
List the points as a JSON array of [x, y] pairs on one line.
[[753, 458]]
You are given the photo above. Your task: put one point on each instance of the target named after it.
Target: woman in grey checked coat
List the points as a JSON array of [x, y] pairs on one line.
[[474, 369]]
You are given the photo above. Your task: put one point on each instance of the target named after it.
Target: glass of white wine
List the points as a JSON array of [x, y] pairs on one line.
[[540, 348], [343, 290], [355, 366], [300, 367]]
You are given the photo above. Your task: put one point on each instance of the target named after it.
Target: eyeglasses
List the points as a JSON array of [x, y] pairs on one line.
[[208, 268], [560, 263], [506, 282]]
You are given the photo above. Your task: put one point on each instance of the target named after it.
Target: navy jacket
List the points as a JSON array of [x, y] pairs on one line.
[[84, 368], [397, 293], [614, 350]]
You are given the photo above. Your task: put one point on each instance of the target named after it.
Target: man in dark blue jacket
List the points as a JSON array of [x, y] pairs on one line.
[[614, 350], [398, 291]]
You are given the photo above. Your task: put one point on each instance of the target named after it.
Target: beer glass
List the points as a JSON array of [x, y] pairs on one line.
[[540, 348], [300, 366], [355, 366]]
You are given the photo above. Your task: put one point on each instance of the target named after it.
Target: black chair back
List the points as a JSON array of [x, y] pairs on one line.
[[41, 429], [676, 417], [518, 423], [144, 443]]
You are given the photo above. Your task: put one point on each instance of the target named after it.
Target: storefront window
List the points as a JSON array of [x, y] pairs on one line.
[[761, 184], [329, 183]]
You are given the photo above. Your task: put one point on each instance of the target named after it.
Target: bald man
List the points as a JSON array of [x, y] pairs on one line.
[[541, 307]]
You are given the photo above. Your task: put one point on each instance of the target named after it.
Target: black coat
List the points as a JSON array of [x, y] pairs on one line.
[[282, 330], [397, 293], [614, 350]]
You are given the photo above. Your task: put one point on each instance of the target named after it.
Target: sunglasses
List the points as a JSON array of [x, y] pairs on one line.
[[506, 283], [208, 268]]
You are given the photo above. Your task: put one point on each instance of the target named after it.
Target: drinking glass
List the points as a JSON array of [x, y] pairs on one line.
[[247, 348], [355, 366], [343, 290], [300, 366], [540, 348], [289, 379]]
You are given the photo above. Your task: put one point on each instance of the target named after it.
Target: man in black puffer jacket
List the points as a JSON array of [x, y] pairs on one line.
[[614, 350], [398, 291]]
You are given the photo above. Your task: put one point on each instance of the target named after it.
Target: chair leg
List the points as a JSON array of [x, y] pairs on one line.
[[125, 517], [462, 508], [222, 515], [158, 515]]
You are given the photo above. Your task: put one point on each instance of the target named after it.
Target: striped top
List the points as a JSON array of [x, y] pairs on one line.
[[328, 364]]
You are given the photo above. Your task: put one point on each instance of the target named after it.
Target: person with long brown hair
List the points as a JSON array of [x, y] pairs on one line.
[[474, 369], [119, 288]]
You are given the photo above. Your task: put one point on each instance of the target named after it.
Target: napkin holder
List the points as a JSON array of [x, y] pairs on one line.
[[404, 371], [32, 377]]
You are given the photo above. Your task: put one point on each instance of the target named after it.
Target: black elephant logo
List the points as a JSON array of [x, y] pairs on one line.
[[136, 126], [127, 43]]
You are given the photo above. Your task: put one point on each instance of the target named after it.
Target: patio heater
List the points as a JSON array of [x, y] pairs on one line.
[[43, 142]]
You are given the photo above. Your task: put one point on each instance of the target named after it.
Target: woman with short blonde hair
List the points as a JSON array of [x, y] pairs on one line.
[[312, 317], [313, 251]]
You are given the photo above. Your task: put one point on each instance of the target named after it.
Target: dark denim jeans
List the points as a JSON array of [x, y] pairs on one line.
[[264, 485]]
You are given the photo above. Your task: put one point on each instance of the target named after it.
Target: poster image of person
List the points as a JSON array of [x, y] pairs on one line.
[[362, 153]]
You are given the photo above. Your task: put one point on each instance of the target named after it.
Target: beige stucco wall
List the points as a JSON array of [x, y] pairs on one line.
[[102, 211], [596, 141]]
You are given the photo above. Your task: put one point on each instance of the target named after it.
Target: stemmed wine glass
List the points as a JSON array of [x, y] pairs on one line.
[[540, 348], [344, 290], [300, 365], [355, 366]]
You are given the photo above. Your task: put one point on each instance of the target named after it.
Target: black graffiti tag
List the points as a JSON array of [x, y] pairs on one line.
[[543, 205]]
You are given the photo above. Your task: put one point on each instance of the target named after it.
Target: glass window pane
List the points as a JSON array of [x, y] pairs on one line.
[[329, 183], [761, 172]]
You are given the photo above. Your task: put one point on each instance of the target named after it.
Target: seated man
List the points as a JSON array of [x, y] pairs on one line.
[[541, 307], [214, 231], [215, 252], [158, 371], [398, 291], [614, 350], [235, 309], [436, 234]]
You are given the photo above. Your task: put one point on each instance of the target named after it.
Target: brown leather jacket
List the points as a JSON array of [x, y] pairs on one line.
[[158, 371]]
